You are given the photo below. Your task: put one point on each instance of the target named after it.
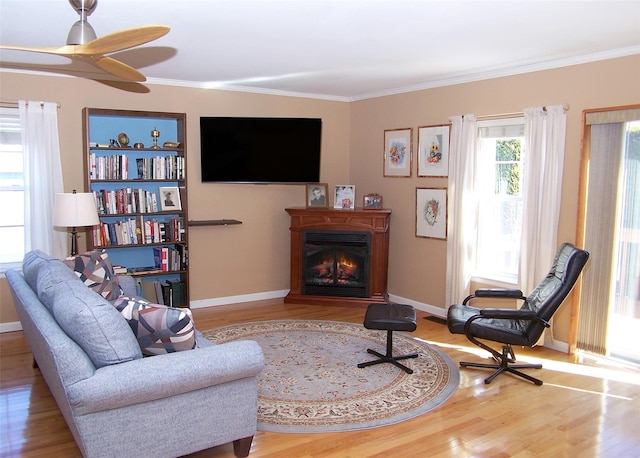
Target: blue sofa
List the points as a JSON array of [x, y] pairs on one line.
[[116, 402]]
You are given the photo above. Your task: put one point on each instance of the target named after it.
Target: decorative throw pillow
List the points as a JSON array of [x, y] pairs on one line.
[[96, 272], [158, 328]]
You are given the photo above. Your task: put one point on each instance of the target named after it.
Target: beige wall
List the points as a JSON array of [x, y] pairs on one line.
[[417, 265], [254, 257], [225, 260]]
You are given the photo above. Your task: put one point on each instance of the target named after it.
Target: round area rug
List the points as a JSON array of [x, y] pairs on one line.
[[311, 382]]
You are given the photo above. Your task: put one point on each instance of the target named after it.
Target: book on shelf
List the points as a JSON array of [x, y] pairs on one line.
[[161, 257], [157, 287], [174, 293], [149, 291]]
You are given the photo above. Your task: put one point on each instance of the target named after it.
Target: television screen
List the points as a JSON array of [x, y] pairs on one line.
[[260, 150]]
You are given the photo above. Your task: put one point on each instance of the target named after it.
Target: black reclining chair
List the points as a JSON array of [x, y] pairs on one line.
[[517, 327]]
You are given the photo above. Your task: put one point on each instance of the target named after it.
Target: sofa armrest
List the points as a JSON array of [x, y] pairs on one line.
[[163, 376]]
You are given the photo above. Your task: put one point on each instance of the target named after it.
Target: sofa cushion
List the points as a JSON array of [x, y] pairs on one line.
[[92, 322], [158, 328], [95, 270], [31, 264], [50, 274]]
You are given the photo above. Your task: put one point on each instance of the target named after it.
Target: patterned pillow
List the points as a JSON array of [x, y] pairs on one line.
[[95, 270], [158, 328]]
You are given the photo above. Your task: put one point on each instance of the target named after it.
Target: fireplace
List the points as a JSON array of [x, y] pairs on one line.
[[336, 263], [338, 257]]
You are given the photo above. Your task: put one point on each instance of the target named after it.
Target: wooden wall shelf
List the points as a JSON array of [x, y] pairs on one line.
[[214, 222]]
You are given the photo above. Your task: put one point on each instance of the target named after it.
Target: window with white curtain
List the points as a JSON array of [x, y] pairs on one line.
[[12, 239], [500, 173]]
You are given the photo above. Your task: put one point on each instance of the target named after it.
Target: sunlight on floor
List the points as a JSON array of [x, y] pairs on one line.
[[588, 370], [14, 412]]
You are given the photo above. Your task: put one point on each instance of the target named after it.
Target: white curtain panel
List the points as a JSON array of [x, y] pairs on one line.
[[545, 131], [43, 176], [462, 207]]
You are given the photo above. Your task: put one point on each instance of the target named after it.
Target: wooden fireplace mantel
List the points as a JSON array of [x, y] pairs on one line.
[[375, 222]]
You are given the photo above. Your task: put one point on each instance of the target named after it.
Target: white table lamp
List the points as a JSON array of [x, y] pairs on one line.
[[74, 210]]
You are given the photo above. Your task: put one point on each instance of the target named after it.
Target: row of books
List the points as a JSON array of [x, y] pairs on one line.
[[126, 200], [137, 231], [169, 259], [161, 168], [116, 167], [172, 292]]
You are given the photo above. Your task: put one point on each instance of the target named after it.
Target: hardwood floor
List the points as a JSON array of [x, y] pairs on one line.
[[583, 410]]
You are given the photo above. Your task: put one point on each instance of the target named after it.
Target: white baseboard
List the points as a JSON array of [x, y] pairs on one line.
[[10, 327], [430, 309], [213, 302]]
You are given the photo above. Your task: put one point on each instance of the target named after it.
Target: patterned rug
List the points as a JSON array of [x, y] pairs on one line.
[[311, 382]]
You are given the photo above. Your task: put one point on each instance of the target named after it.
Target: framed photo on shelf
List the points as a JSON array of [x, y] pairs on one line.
[[431, 213], [345, 197], [372, 201], [169, 198], [397, 152], [433, 151], [317, 195]]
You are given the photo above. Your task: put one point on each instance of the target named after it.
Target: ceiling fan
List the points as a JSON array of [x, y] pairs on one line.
[[83, 45]]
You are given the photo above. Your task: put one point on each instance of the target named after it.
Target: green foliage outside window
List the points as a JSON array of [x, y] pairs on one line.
[[508, 167]]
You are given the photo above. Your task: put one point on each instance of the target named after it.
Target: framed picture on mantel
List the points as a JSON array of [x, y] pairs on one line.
[[317, 195], [372, 201], [345, 197]]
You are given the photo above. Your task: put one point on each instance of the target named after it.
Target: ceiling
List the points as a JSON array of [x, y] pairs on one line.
[[333, 49]]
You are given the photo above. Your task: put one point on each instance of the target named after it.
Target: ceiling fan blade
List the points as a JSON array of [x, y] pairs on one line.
[[117, 68], [61, 51], [124, 39]]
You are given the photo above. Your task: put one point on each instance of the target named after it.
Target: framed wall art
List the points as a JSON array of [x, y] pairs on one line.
[[345, 197], [431, 213], [169, 198], [397, 152], [372, 201], [433, 151], [317, 195]]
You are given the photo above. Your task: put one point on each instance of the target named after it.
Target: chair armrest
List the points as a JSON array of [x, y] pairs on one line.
[[163, 376], [498, 293], [509, 314]]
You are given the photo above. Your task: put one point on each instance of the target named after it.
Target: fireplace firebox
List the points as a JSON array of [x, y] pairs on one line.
[[336, 263], [338, 256]]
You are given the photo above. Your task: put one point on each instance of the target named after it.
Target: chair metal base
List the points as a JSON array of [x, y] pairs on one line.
[[389, 358], [505, 364]]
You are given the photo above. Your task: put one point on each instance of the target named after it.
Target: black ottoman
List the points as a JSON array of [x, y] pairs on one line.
[[390, 317]]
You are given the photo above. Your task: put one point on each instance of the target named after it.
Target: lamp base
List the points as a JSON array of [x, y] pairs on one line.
[[74, 241]]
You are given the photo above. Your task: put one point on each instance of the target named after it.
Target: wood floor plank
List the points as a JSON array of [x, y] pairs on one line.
[[583, 409]]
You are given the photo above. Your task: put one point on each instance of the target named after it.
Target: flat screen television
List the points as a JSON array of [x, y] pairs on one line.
[[260, 150]]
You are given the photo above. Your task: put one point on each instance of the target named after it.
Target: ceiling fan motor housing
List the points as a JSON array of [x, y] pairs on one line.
[[81, 31]]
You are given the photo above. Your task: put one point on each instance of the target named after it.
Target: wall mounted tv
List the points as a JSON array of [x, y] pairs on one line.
[[260, 150]]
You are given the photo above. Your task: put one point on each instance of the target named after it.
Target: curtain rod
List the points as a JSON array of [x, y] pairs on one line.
[[12, 104], [515, 114]]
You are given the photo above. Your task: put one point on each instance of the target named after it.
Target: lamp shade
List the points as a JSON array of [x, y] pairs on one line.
[[75, 209]]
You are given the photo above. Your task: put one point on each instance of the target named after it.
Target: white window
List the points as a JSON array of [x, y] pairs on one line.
[[501, 171], [12, 221]]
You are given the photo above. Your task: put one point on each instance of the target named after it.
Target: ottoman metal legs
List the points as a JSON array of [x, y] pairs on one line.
[[390, 317]]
